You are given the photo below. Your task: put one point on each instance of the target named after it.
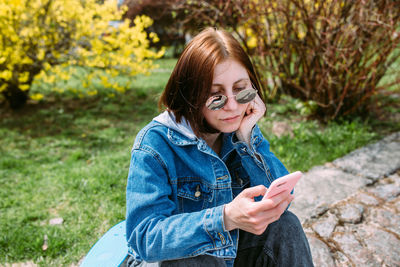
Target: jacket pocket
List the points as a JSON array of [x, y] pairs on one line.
[[240, 180], [194, 195]]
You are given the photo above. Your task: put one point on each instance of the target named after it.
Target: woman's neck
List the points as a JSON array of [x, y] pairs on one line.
[[214, 141]]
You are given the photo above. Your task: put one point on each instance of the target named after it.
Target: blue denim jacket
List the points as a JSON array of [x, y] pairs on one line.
[[177, 187]]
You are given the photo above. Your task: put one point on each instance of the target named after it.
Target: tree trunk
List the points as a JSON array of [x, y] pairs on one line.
[[15, 97]]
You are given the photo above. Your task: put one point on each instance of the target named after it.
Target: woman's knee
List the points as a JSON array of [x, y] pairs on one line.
[[290, 218], [287, 225]]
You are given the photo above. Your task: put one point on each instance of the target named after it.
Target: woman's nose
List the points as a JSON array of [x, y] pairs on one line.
[[231, 103]]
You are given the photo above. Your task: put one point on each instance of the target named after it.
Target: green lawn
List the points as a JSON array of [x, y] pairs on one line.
[[69, 159]]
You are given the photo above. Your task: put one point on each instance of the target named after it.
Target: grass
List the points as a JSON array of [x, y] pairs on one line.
[[69, 158]]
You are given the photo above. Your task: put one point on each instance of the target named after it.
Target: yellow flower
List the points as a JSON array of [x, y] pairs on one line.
[[23, 77], [252, 42], [301, 35], [37, 96], [3, 87], [92, 93], [6, 74], [24, 87]]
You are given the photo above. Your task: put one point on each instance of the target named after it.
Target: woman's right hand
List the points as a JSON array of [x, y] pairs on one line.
[[254, 217]]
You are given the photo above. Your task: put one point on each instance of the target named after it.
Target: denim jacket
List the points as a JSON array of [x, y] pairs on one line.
[[177, 187]]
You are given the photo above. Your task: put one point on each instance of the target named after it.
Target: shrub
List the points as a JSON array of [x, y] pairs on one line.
[[168, 23], [331, 54], [42, 38], [176, 20]]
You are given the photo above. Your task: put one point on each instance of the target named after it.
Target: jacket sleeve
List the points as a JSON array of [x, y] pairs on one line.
[[154, 231], [260, 163]]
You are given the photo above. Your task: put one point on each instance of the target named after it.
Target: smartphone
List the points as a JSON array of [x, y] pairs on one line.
[[281, 184]]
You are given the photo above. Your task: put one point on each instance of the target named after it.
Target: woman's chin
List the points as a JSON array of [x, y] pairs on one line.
[[229, 129]]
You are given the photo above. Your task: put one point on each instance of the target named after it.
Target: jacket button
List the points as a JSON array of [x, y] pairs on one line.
[[197, 193], [222, 238]]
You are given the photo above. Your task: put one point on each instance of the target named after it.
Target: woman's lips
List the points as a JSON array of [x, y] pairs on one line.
[[230, 119]]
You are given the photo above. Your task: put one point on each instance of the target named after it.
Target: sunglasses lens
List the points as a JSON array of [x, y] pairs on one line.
[[246, 96], [216, 102]]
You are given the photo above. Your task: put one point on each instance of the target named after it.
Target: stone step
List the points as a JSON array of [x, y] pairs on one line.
[[325, 185], [350, 209]]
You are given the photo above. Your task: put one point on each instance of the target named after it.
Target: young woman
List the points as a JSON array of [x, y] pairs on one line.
[[199, 170]]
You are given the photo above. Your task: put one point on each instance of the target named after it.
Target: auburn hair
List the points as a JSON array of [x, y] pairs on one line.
[[190, 83]]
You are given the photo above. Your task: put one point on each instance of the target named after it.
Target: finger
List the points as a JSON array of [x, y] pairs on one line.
[[254, 191], [273, 219], [275, 213], [249, 109], [284, 204], [261, 106], [274, 201], [258, 106], [259, 101]]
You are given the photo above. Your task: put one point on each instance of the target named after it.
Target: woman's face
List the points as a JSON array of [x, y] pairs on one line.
[[230, 77]]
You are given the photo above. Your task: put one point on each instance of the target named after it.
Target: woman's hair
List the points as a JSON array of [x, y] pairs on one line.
[[190, 83]]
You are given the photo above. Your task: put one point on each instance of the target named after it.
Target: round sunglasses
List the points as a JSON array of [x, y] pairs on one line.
[[217, 102]]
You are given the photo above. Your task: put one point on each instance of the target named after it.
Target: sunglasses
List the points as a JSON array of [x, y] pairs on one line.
[[217, 102]]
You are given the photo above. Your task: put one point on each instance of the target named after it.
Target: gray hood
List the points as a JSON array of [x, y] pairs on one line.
[[168, 119]]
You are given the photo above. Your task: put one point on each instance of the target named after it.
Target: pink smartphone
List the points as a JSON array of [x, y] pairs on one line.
[[286, 182]]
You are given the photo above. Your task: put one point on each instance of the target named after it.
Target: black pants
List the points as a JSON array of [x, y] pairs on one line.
[[282, 244]]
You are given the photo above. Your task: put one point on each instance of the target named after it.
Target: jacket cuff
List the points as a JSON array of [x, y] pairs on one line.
[[256, 138], [214, 226], [244, 150]]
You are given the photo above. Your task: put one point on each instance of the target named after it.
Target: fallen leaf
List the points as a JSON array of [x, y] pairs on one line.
[[45, 246], [56, 221]]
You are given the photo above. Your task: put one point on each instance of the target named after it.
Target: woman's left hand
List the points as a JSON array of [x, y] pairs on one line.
[[255, 110]]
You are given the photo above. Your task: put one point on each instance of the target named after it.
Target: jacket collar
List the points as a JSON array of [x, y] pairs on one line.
[[182, 133], [179, 133]]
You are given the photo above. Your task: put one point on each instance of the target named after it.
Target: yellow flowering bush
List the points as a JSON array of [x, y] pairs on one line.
[[56, 41]]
